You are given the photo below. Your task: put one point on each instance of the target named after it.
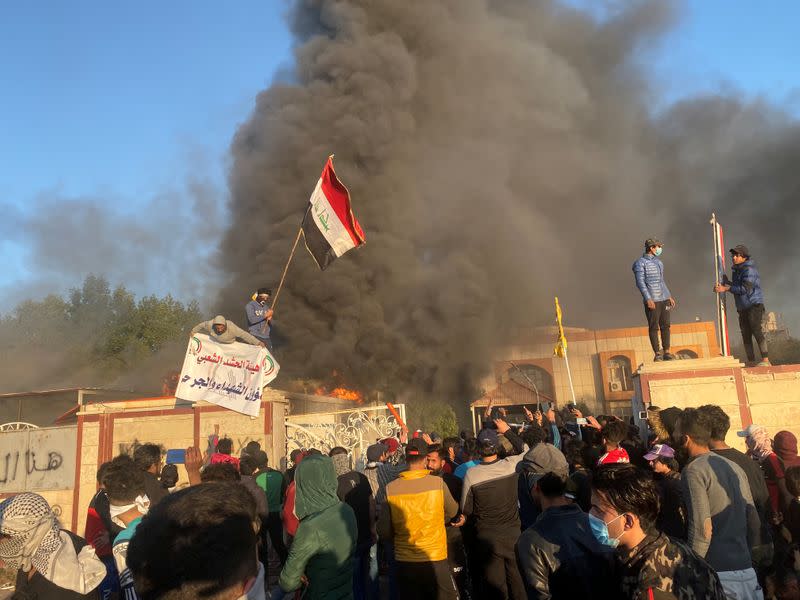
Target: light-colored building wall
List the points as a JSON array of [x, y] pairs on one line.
[[588, 352], [774, 397], [767, 396], [109, 429]]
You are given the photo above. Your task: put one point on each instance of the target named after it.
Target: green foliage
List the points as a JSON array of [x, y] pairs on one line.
[[432, 416], [91, 337]]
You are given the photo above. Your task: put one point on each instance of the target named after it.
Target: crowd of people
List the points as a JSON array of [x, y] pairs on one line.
[[562, 506]]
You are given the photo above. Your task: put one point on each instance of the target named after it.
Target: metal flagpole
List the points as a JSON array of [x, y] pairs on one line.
[[719, 269], [569, 376]]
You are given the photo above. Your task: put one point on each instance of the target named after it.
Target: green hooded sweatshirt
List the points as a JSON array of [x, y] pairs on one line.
[[326, 538]]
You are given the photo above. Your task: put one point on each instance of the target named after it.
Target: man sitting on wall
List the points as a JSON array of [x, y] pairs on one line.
[[223, 331]]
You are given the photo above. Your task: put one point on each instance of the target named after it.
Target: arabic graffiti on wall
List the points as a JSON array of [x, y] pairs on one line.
[[37, 459]]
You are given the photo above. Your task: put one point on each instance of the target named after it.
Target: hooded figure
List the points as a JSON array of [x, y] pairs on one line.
[[785, 446], [64, 565], [326, 537], [758, 443], [223, 331]]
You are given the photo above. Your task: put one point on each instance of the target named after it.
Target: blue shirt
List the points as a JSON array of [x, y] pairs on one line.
[[257, 323], [462, 469]]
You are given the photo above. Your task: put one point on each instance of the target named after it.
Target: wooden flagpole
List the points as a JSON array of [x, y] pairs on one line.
[[288, 262]]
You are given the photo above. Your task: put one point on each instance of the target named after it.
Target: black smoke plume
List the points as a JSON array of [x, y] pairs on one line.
[[498, 153]]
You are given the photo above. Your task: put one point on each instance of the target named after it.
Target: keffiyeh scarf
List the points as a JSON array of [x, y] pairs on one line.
[[32, 538]]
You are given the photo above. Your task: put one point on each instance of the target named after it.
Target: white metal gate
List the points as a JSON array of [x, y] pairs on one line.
[[355, 430]]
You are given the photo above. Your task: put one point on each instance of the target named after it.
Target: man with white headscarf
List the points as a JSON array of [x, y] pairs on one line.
[[51, 563]]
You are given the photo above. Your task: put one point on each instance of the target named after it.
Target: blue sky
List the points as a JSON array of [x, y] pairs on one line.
[[134, 103]]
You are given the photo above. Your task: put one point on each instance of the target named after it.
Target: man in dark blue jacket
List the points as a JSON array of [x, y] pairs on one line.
[[746, 289], [648, 271]]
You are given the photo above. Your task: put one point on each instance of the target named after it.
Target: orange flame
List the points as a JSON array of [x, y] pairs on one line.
[[342, 393]]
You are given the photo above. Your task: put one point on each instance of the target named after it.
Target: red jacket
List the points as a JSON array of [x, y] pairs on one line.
[[290, 520]]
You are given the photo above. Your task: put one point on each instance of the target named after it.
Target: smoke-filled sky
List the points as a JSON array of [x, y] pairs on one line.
[[498, 153]]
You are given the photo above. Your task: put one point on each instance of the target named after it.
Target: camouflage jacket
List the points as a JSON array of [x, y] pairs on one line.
[[662, 568]]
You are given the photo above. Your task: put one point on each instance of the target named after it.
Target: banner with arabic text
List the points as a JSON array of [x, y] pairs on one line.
[[230, 375]]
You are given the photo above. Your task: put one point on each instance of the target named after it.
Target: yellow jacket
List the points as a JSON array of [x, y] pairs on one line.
[[418, 506]]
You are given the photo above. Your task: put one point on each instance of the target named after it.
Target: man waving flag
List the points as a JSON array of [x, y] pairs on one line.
[[330, 228]]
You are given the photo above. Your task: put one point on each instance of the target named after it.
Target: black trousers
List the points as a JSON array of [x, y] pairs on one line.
[[658, 319], [751, 322], [457, 557], [425, 581], [493, 566], [274, 527]]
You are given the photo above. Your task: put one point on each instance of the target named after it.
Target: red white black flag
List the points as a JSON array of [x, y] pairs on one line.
[[330, 228]]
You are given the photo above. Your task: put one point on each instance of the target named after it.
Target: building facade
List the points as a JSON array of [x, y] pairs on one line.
[[602, 363]]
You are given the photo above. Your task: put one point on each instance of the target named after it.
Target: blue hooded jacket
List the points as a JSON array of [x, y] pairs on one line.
[[746, 285], [649, 273]]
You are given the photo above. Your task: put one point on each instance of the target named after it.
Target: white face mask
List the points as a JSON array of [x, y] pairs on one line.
[[142, 503]]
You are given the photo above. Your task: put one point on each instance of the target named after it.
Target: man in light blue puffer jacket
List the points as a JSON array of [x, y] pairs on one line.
[[648, 271]]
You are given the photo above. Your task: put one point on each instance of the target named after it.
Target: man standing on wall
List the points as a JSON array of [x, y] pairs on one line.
[[648, 271], [259, 317], [746, 289]]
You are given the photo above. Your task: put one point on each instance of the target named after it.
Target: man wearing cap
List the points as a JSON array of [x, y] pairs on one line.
[[648, 272], [417, 507], [746, 289], [559, 556], [489, 500], [376, 454], [259, 316], [671, 518]]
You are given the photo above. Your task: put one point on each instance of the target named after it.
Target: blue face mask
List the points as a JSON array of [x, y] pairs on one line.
[[600, 530], [658, 251]]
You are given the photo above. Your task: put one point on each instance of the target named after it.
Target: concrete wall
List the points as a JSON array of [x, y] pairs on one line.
[[768, 396], [774, 397], [107, 430], [41, 461]]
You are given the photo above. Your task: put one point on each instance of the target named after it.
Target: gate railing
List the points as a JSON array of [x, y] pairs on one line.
[[354, 430]]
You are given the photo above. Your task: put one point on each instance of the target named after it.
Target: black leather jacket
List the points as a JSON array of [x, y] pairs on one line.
[[559, 557]]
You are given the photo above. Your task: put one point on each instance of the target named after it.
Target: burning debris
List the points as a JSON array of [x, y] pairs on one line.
[[337, 389], [342, 393]]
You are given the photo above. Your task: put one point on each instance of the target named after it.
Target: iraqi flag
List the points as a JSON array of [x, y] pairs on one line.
[[330, 228]]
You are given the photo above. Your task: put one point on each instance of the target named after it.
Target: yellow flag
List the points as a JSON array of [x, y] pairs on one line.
[[561, 342]]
